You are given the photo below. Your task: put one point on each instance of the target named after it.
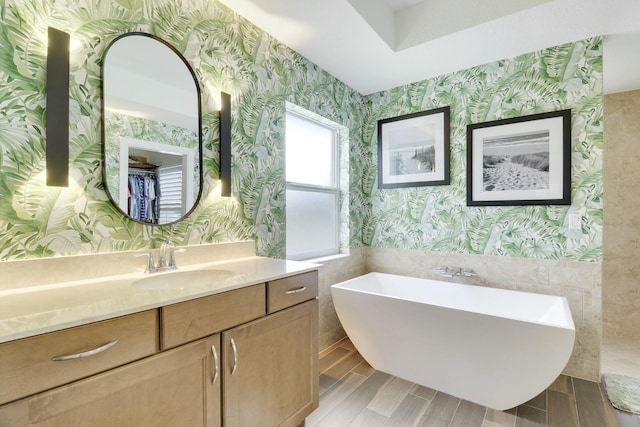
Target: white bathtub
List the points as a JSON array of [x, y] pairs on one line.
[[494, 347]]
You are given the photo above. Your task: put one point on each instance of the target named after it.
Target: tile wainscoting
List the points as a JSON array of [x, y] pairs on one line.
[[335, 271]]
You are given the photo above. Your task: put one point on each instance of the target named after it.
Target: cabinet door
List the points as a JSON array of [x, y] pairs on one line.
[[270, 374], [175, 388]]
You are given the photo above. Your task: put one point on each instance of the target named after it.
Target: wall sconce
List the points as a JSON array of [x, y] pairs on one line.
[[57, 132], [225, 144]]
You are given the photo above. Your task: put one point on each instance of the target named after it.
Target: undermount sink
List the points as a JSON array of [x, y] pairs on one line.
[[182, 279]]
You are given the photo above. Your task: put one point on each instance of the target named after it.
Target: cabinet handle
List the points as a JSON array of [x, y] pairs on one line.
[[235, 356], [296, 290], [214, 352], [88, 353]]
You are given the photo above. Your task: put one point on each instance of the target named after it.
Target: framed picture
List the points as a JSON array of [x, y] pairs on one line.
[[413, 149], [520, 161]]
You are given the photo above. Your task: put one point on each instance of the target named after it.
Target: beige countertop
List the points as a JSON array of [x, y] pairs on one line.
[[29, 311]]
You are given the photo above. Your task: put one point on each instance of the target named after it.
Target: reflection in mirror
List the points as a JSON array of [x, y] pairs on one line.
[[152, 136]]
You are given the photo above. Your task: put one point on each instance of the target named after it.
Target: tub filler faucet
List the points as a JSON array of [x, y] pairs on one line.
[[454, 271]]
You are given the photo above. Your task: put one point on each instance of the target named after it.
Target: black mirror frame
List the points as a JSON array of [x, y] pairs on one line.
[[200, 145]]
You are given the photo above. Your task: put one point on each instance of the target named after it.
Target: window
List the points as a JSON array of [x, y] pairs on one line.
[[312, 188], [170, 182]]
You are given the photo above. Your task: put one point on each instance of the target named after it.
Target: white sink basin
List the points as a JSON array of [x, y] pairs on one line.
[[182, 279]]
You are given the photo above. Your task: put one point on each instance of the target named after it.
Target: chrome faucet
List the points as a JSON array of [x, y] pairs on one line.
[[168, 250], [450, 272], [151, 267], [454, 271]]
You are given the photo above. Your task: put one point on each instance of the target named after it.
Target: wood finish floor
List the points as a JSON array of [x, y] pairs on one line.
[[353, 394]]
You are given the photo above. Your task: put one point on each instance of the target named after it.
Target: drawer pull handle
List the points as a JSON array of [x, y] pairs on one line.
[[235, 356], [214, 352], [296, 290], [88, 353]]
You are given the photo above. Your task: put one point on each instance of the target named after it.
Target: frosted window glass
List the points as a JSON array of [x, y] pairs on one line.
[[310, 152], [311, 223]]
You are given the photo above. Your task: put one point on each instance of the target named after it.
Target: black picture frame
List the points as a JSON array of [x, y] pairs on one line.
[[414, 149], [520, 161]]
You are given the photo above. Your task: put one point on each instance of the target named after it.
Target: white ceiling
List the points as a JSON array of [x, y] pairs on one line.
[[374, 45], [401, 4]]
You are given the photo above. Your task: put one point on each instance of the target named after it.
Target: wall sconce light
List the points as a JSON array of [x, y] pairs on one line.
[[225, 144], [57, 132]]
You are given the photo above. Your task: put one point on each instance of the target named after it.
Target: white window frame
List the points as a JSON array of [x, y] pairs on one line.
[[332, 190]]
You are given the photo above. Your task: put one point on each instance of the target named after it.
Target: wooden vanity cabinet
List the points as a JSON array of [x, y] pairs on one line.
[[28, 366], [243, 358], [178, 387], [288, 291], [201, 317], [270, 369]]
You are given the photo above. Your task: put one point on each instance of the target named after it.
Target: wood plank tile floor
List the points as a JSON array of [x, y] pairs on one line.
[[353, 394]]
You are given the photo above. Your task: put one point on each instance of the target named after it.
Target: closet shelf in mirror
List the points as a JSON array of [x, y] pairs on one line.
[[138, 172], [143, 166], [141, 163]]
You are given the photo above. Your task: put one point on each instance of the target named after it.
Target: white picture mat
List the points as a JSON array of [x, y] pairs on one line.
[[429, 129], [555, 190]]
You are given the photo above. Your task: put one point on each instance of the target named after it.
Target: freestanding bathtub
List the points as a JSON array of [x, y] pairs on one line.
[[494, 347]]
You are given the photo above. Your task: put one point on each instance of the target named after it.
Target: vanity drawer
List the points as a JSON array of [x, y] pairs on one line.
[[283, 293], [190, 320], [28, 365]]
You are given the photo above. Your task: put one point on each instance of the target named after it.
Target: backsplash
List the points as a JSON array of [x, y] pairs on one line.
[[30, 273]]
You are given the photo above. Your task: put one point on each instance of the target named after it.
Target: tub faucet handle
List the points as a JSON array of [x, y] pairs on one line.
[[449, 271], [468, 273]]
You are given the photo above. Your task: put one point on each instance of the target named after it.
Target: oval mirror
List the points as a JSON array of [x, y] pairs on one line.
[[152, 141]]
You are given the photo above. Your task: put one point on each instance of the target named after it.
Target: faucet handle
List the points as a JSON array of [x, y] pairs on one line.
[[151, 268], [449, 271], [172, 257], [162, 260]]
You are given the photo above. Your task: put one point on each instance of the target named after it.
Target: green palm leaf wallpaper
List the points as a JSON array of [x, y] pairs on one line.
[[437, 218], [227, 53], [232, 55]]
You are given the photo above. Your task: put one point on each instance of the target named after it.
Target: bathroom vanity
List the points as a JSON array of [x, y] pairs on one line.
[[237, 351]]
